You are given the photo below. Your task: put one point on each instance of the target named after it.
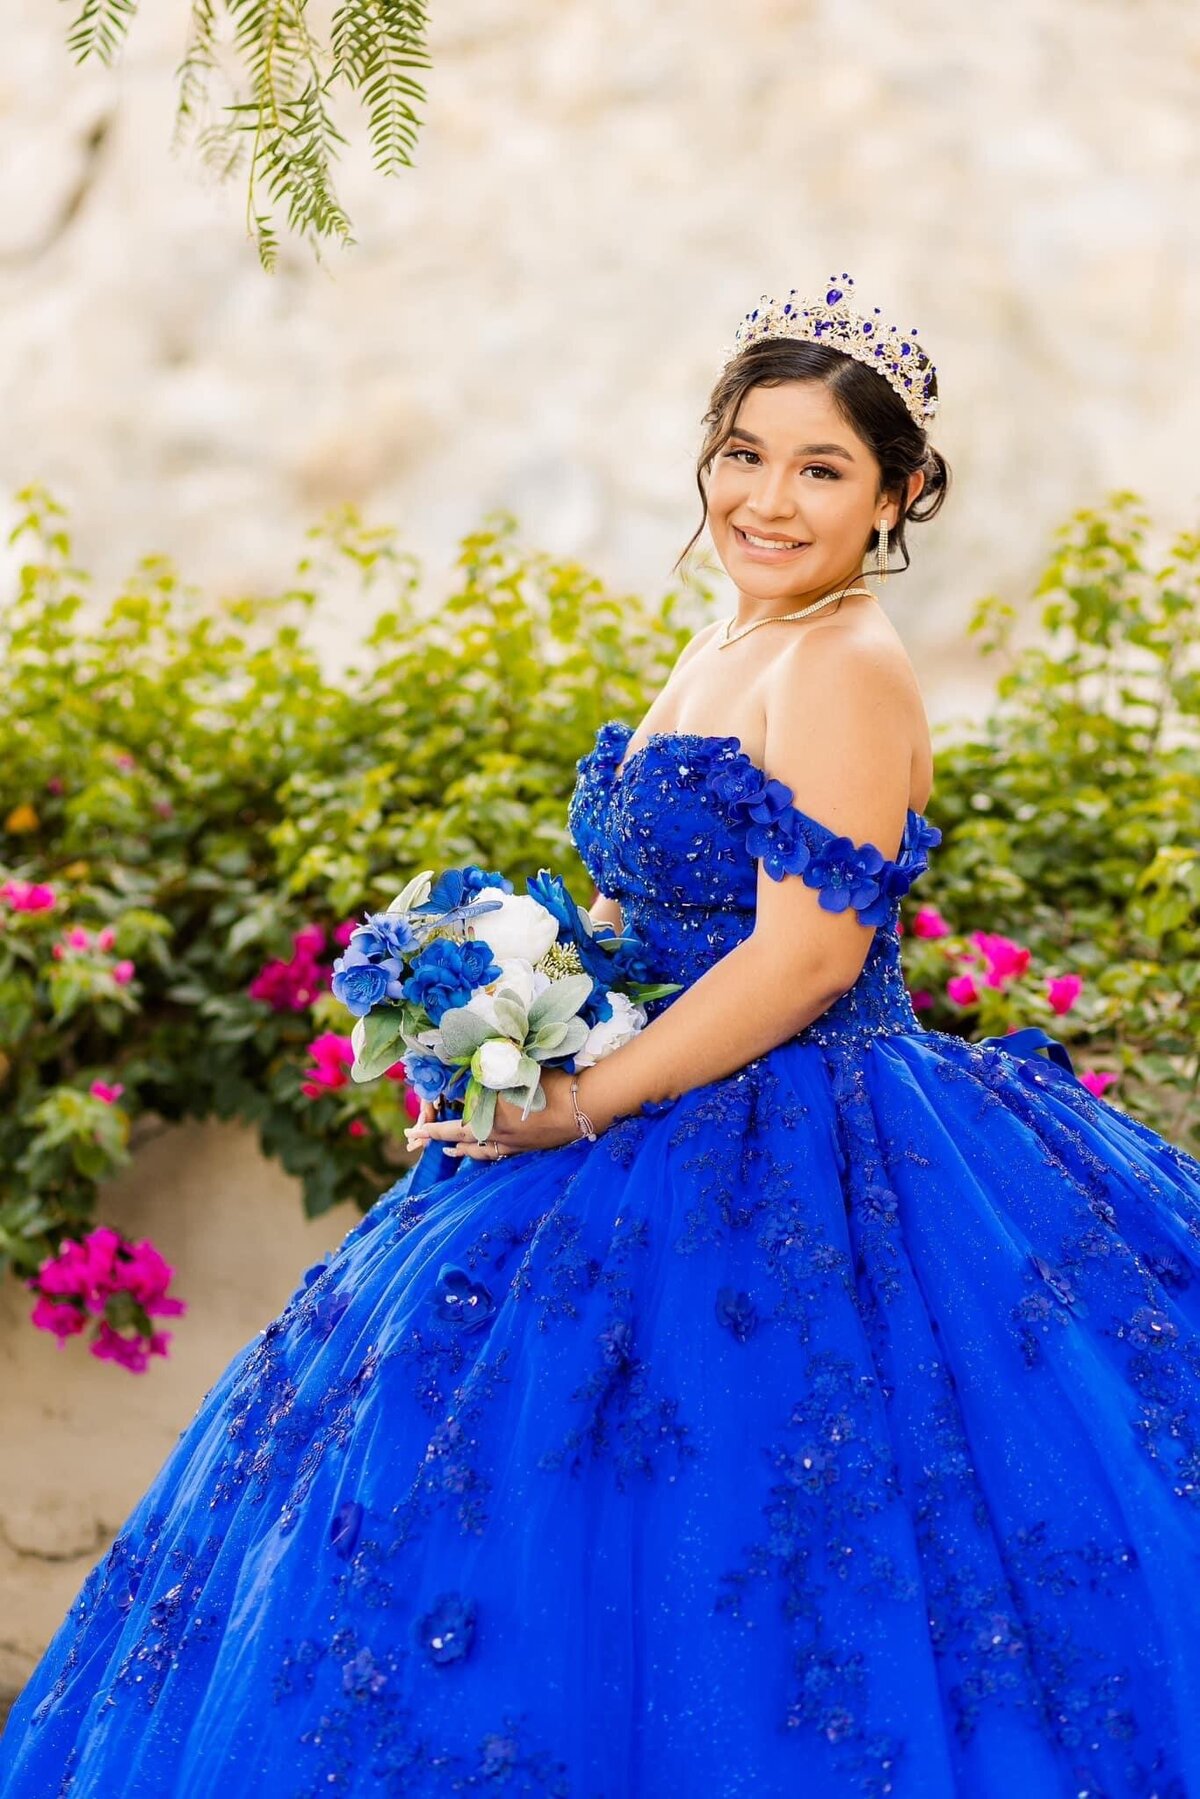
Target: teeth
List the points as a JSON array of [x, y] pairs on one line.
[[768, 543]]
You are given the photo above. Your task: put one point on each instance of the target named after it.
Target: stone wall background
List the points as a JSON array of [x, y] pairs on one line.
[[534, 312], [532, 319]]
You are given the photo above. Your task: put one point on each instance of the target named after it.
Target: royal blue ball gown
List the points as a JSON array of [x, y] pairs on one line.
[[833, 1429]]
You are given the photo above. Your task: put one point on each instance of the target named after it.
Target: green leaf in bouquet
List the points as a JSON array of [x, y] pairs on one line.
[[376, 1041], [463, 1031], [530, 1099], [566, 1040], [415, 894], [480, 1110], [510, 1015], [528, 1073], [560, 1001], [640, 994]]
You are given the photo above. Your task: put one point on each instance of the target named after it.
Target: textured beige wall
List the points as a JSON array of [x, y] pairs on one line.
[[533, 314], [83, 1439]]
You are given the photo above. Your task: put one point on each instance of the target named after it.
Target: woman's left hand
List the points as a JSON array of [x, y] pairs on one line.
[[553, 1125]]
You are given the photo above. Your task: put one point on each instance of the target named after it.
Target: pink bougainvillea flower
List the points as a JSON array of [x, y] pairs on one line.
[[357, 1127], [922, 999], [343, 932], [929, 922], [962, 989], [145, 1274], [1062, 991], [102, 1090], [164, 808], [28, 896], [124, 760], [1096, 1082], [64, 1320], [292, 986], [133, 1353], [332, 1056], [65, 1275], [81, 1279], [397, 1072], [1005, 959], [123, 972], [412, 1102], [78, 938], [106, 938], [309, 940]]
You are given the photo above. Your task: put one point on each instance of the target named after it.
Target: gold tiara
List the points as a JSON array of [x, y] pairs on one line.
[[834, 322]]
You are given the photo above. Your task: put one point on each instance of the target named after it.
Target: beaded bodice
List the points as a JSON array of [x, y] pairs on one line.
[[675, 835]]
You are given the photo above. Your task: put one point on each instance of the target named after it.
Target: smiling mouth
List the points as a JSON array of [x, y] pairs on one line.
[[767, 546]]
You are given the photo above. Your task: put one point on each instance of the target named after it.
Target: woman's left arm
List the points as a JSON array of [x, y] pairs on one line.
[[838, 735]]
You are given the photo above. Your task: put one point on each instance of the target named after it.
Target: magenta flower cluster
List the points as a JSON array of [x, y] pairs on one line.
[[292, 986], [107, 1279], [997, 961]]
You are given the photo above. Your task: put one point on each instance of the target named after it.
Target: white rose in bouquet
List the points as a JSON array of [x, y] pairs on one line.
[[516, 976], [624, 1023], [498, 1063], [519, 927]]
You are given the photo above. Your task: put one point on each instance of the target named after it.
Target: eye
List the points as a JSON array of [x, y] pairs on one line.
[[734, 454]]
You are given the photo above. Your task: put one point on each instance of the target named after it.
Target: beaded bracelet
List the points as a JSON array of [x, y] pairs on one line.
[[586, 1127]]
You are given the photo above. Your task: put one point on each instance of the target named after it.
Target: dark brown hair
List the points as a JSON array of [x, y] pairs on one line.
[[869, 405]]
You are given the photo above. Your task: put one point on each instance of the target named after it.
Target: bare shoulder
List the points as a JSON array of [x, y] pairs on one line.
[[697, 641], [856, 660], [847, 693]]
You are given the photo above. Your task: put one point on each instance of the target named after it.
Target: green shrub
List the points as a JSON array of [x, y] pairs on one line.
[[1071, 818], [188, 778]]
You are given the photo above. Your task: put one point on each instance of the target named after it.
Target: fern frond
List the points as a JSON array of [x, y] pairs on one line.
[[266, 241], [199, 63], [283, 127], [375, 43], [99, 27]]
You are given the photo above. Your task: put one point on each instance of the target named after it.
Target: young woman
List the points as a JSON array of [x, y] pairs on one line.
[[804, 1401]]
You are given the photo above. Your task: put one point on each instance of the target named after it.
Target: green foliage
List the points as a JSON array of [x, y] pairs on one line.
[[188, 777], [284, 130], [1071, 819]]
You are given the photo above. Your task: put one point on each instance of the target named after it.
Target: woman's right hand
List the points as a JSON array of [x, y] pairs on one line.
[[426, 1115]]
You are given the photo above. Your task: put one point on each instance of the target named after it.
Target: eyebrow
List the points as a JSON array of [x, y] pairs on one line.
[[801, 449]]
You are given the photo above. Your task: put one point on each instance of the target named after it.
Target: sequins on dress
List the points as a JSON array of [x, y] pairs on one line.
[[834, 1428]]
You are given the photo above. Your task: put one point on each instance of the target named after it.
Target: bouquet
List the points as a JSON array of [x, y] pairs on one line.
[[483, 988]]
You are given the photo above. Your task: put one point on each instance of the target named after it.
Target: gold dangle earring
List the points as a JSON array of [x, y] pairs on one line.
[[881, 554]]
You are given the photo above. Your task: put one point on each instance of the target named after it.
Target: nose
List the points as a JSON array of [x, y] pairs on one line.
[[770, 498]]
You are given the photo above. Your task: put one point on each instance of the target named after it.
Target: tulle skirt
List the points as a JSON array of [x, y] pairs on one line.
[[834, 1429]]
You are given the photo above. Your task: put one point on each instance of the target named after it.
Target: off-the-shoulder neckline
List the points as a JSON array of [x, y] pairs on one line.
[[619, 770]]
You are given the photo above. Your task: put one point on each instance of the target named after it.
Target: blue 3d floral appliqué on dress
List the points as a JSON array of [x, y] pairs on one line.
[[833, 1429]]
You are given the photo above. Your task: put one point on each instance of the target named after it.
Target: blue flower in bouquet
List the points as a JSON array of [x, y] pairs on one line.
[[362, 984], [461, 893], [446, 974], [384, 934], [427, 1077], [551, 892]]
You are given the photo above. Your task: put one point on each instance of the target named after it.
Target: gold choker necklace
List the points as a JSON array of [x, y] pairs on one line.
[[780, 618]]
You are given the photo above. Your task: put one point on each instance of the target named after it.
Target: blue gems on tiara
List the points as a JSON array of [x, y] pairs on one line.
[[834, 322]]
